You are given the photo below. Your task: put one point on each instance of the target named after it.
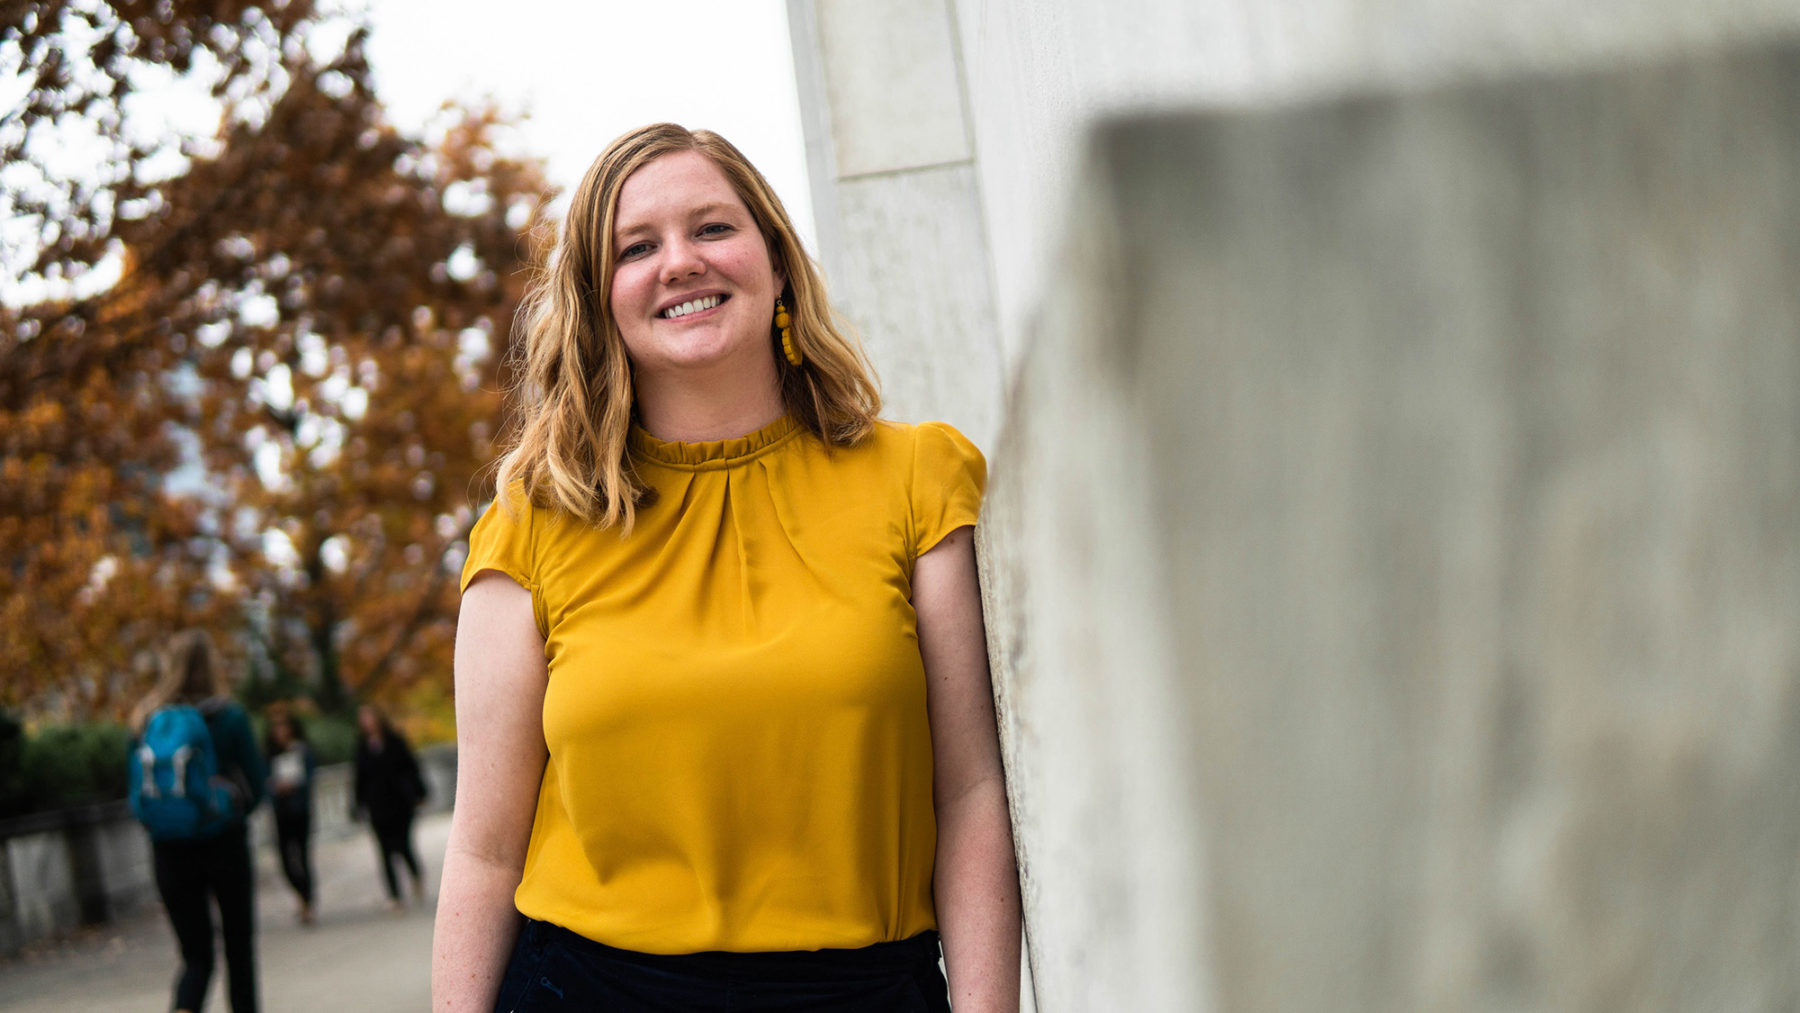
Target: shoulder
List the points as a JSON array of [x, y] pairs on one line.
[[892, 430], [946, 480], [506, 537], [224, 711], [944, 439], [941, 453], [915, 458], [911, 440], [510, 507]]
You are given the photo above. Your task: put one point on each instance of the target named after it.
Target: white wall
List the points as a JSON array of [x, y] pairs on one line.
[[1409, 622], [1040, 73], [895, 197], [943, 135], [1297, 706]]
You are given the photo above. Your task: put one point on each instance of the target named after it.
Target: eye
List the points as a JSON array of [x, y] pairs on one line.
[[716, 229], [634, 251]]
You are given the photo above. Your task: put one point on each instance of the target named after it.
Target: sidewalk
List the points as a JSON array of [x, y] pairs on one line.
[[359, 955]]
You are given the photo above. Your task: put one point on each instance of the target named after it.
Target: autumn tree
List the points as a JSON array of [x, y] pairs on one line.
[[271, 420]]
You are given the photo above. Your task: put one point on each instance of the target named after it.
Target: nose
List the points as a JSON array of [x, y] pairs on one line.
[[681, 259]]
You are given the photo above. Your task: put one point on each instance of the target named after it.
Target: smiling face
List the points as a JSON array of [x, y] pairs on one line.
[[693, 285]]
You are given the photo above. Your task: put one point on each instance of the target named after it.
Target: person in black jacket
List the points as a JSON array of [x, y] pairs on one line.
[[389, 790]]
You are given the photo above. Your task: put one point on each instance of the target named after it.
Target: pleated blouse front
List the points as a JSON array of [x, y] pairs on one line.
[[739, 752]]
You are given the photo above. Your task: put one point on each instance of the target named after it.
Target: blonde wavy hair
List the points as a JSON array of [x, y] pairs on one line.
[[572, 400], [192, 671]]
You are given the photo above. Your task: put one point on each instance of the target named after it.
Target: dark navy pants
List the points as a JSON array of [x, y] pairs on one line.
[[190, 876], [555, 969]]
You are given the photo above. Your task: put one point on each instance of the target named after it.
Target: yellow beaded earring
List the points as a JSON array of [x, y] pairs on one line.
[[785, 324]]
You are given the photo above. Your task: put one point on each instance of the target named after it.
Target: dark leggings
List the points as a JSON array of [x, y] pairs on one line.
[[394, 836], [190, 876], [293, 837]]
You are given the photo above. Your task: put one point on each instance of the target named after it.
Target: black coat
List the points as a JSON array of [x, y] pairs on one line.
[[388, 784]]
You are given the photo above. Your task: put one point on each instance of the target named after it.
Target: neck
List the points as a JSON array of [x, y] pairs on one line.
[[723, 406]]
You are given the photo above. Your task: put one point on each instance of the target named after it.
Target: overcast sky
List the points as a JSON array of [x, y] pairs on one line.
[[588, 70]]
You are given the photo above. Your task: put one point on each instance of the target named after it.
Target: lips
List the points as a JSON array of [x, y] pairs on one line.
[[690, 306]]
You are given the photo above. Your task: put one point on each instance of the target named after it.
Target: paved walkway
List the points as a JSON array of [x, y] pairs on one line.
[[358, 956]]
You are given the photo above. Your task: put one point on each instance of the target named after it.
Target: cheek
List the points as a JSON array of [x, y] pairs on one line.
[[752, 266], [628, 295]]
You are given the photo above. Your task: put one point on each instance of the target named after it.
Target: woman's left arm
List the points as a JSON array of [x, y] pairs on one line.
[[247, 755], [976, 884]]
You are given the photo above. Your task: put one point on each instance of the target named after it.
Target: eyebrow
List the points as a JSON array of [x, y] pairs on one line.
[[699, 212]]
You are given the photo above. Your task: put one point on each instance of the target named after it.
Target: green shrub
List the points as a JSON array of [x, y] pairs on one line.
[[333, 738], [71, 765], [15, 796], [61, 766]]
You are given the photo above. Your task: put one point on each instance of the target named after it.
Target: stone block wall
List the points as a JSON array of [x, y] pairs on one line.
[[59, 871], [1393, 557], [900, 222]]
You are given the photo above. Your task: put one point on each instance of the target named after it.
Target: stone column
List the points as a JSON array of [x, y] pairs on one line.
[[898, 209], [1393, 557]]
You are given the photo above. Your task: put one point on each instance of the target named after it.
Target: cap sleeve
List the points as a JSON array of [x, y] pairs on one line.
[[502, 541], [948, 477]]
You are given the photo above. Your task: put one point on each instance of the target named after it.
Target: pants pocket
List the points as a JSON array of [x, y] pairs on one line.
[[523, 971], [934, 991]]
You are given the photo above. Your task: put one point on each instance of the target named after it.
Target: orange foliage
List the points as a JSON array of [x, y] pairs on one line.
[[273, 424]]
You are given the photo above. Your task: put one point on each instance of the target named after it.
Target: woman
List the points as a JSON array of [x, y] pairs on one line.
[[291, 769], [725, 728], [388, 791], [213, 865]]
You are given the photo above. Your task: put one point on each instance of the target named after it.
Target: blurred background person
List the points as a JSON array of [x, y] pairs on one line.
[[292, 764], [389, 790], [204, 859]]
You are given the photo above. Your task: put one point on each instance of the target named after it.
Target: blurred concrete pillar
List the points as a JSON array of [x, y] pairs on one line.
[[898, 210], [1393, 554]]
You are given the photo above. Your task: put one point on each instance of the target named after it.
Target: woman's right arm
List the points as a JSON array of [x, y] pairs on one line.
[[500, 756]]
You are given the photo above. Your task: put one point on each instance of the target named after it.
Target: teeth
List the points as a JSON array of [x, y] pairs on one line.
[[691, 306]]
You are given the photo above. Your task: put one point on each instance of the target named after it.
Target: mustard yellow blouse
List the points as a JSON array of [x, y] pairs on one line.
[[739, 752]]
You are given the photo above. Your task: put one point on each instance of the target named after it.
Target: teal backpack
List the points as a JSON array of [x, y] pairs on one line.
[[176, 790]]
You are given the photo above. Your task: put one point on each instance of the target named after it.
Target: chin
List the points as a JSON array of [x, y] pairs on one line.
[[703, 355]]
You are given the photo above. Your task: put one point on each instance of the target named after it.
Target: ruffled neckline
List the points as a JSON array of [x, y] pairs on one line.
[[714, 453]]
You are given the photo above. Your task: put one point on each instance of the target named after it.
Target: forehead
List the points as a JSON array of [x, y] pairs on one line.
[[672, 186]]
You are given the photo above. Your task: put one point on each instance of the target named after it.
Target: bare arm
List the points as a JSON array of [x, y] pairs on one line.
[[976, 884], [500, 679]]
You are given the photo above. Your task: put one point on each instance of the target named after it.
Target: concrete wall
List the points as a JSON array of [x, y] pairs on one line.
[[60, 871], [1038, 75], [1428, 621], [900, 224], [1391, 555]]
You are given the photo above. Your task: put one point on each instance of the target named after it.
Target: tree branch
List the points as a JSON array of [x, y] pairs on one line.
[[422, 611]]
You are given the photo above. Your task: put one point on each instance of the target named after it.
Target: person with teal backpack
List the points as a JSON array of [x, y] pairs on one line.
[[196, 774], [177, 792]]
